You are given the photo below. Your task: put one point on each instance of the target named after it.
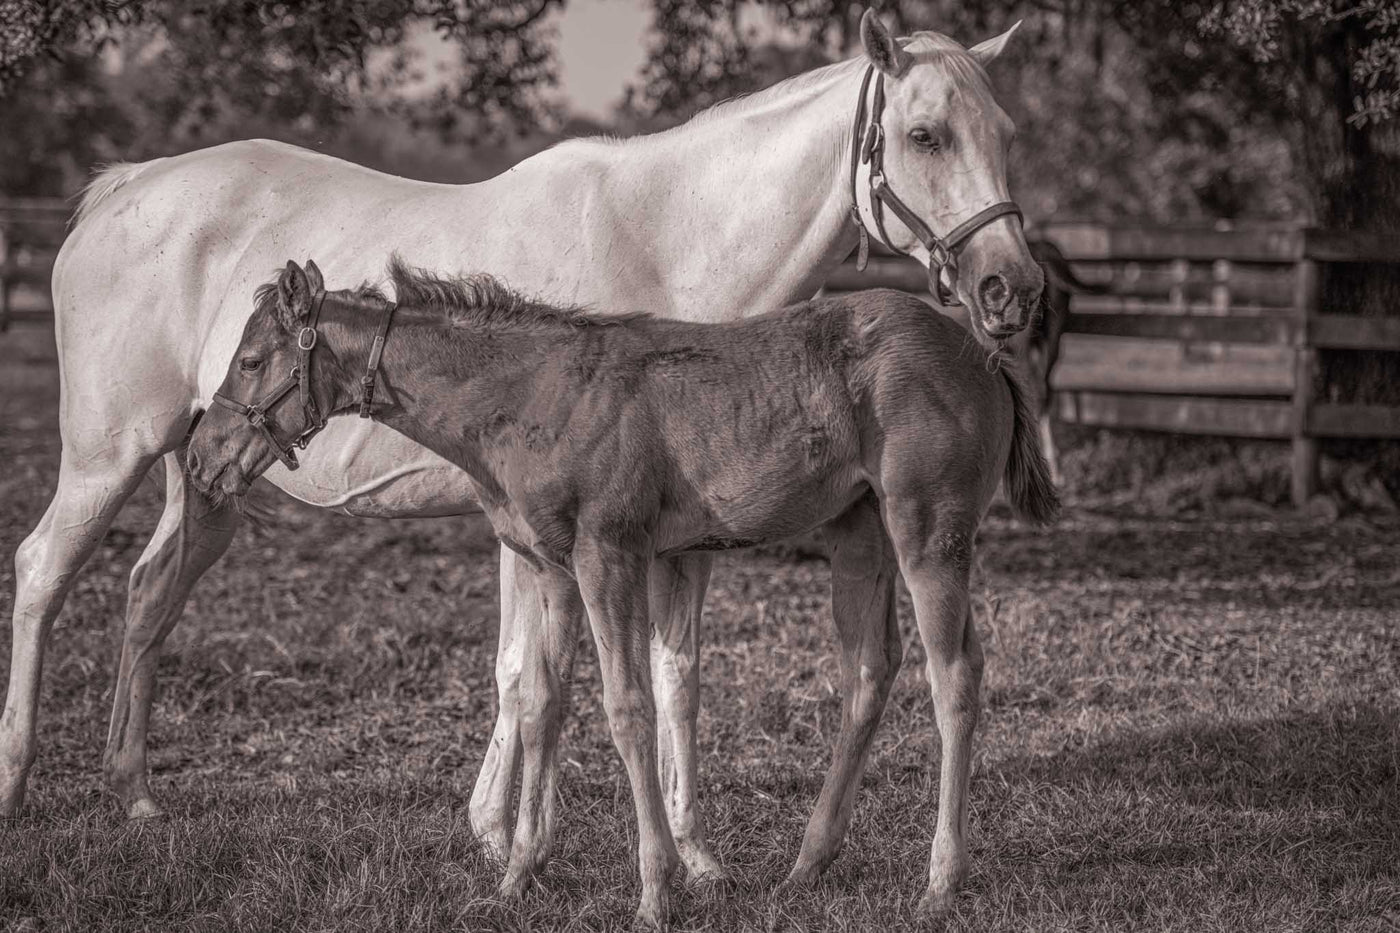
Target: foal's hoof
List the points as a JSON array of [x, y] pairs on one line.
[[144, 808]]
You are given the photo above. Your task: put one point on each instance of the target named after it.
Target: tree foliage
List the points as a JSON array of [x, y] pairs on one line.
[[311, 62]]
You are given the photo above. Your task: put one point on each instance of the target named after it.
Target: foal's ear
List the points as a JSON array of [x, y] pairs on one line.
[[293, 297], [881, 47], [987, 52]]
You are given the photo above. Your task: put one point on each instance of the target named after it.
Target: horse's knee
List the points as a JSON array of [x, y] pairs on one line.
[[631, 717]]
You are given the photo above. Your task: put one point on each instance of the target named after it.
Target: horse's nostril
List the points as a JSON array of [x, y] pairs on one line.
[[192, 462], [994, 292]]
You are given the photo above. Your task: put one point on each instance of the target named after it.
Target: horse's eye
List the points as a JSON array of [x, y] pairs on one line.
[[924, 139], [250, 364]]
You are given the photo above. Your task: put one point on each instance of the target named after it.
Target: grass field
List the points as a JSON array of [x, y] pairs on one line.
[[1190, 723]]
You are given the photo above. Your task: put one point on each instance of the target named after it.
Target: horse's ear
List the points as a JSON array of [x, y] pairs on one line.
[[881, 47], [314, 277], [293, 297], [987, 52]]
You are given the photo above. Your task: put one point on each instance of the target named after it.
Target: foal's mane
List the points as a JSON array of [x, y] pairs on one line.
[[482, 300]]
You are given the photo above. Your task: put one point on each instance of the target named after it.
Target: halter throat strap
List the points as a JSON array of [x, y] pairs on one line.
[[868, 200]]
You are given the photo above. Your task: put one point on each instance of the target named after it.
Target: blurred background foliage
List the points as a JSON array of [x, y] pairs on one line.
[[1159, 111]]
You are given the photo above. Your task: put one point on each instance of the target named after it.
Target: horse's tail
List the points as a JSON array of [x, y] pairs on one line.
[[104, 183], [1058, 271], [1027, 476]]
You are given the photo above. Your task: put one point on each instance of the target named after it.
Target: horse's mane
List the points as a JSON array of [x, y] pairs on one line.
[[482, 300], [927, 47]]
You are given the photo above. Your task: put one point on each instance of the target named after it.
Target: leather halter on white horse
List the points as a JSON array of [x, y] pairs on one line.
[[867, 160]]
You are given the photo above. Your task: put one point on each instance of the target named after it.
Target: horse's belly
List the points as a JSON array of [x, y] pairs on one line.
[[368, 470], [770, 508]]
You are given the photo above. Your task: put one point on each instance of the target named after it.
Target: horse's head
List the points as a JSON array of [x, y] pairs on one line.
[[269, 402], [941, 152]]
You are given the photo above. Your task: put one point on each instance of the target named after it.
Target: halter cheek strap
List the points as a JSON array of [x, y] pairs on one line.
[[869, 199]]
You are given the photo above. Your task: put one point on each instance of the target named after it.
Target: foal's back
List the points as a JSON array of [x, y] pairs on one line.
[[706, 437]]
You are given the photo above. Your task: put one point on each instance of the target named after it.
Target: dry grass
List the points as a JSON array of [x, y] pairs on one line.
[[1188, 724]]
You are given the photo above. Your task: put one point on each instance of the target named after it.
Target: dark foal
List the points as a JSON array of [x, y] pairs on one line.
[[598, 443]]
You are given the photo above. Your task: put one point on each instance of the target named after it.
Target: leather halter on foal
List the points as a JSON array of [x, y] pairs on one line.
[[868, 146], [300, 376]]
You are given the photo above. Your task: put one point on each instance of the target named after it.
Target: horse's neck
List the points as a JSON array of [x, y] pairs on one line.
[[748, 208], [441, 384]]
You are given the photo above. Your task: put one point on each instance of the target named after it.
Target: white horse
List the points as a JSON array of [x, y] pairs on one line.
[[748, 206]]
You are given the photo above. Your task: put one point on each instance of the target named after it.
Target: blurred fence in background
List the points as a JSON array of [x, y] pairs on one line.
[[31, 231], [1197, 331]]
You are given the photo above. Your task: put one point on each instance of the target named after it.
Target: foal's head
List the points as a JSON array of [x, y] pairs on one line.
[[945, 150], [281, 386]]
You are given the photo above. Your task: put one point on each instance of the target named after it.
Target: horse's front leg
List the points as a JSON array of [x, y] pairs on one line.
[[613, 581], [677, 600], [863, 574], [522, 622], [543, 689]]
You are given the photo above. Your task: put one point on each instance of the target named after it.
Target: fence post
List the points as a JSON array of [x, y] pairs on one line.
[[1305, 305], [4, 283]]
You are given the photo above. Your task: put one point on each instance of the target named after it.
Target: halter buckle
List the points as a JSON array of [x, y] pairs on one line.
[[256, 416], [940, 254], [303, 341]]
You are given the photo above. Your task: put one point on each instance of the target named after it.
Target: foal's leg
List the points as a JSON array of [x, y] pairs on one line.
[[192, 534], [543, 688], [863, 573], [677, 598], [613, 581], [935, 555], [92, 485], [522, 620]]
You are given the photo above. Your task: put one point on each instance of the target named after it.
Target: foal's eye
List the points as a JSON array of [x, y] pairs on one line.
[[250, 364], [924, 139]]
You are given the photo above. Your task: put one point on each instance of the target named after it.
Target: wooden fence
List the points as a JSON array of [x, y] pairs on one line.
[[1199, 331]]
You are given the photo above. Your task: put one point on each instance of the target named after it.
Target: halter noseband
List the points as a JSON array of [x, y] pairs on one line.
[[300, 376], [868, 146]]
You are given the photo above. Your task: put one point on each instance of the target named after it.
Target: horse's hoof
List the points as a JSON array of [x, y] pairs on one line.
[[495, 846], [935, 906], [513, 887], [803, 876], [707, 876], [652, 917], [144, 808]]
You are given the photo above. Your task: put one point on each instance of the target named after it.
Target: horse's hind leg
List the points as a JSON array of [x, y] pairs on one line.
[[677, 598], [193, 533], [544, 684], [863, 573], [91, 490], [935, 555]]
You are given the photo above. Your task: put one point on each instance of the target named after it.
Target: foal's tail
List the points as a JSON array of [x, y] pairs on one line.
[[1033, 495]]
